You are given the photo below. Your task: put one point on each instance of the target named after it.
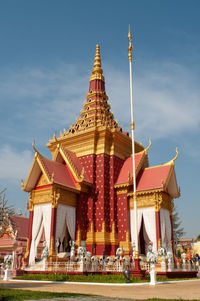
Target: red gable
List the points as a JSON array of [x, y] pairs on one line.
[[127, 168], [153, 177], [75, 161], [61, 173]]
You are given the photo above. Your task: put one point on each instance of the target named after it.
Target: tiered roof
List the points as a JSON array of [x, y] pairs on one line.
[[65, 169]]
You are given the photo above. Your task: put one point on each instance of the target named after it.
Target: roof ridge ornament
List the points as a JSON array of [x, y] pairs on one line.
[[54, 137], [35, 150], [148, 147], [37, 153], [176, 156], [52, 177]]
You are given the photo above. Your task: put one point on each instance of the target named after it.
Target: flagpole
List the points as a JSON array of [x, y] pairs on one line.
[[130, 49]]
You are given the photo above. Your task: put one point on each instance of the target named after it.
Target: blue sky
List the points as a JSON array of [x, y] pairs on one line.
[[46, 57]]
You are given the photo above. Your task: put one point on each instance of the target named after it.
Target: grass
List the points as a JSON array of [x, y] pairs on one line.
[[15, 294], [100, 278], [117, 278]]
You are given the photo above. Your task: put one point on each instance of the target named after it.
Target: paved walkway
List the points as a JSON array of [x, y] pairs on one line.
[[173, 290]]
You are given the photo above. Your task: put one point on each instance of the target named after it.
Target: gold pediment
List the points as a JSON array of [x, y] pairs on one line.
[[42, 181]]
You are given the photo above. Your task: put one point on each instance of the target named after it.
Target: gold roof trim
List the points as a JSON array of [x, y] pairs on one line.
[[37, 159], [130, 48]]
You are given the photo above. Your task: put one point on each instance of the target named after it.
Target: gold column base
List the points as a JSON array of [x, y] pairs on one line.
[[137, 254]]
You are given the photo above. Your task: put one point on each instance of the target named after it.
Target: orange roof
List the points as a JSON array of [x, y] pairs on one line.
[[127, 168], [61, 176], [153, 177], [20, 223]]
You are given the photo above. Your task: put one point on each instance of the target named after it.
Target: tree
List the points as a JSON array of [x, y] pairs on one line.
[[178, 230], [5, 211]]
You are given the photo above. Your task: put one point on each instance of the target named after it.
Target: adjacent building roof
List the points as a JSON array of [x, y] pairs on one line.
[[20, 223]]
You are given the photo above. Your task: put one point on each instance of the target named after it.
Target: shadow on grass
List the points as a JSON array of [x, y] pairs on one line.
[[15, 294]]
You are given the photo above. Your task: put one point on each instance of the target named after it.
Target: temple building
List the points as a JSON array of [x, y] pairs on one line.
[[14, 233], [85, 192]]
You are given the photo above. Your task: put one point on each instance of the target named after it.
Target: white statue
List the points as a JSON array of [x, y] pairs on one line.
[[72, 251], [170, 261], [45, 251], [162, 253], [8, 259]]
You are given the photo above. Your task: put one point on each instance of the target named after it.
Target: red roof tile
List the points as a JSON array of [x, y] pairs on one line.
[[75, 160], [153, 177], [20, 224], [128, 168], [62, 175]]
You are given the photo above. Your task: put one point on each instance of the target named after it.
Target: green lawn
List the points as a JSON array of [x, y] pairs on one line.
[[117, 278], [101, 278], [15, 294]]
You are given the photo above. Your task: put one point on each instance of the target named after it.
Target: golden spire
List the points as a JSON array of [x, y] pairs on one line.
[[97, 61], [130, 48], [97, 70]]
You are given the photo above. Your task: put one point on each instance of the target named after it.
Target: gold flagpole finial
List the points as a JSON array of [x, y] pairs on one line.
[[130, 48]]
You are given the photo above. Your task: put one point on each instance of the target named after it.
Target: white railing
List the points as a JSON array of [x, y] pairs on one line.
[[98, 265]]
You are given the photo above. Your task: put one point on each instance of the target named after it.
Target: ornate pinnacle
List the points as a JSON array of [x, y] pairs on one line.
[[97, 61], [97, 70], [130, 48]]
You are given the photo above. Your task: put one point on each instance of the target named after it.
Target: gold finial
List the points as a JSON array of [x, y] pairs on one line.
[[148, 147], [54, 137], [174, 159], [33, 145], [176, 155], [130, 48], [97, 61], [22, 184], [82, 174], [52, 177], [97, 70]]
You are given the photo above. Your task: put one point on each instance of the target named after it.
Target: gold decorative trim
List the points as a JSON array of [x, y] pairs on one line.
[[27, 248], [130, 48], [103, 237], [52, 247], [156, 199]]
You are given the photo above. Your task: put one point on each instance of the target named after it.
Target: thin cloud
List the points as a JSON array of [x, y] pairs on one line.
[[14, 165], [166, 101], [38, 101]]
